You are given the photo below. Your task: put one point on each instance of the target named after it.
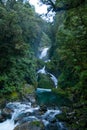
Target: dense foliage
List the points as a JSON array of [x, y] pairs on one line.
[[70, 49], [23, 32], [69, 55], [20, 33]]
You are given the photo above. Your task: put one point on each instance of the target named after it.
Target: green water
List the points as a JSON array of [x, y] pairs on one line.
[[51, 99]]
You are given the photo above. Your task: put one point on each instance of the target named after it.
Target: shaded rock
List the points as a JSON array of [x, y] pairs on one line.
[[6, 113], [2, 118], [30, 98], [44, 81], [53, 120], [53, 126], [21, 117], [43, 109], [34, 125]]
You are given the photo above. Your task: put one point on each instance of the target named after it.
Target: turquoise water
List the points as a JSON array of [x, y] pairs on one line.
[[51, 99]]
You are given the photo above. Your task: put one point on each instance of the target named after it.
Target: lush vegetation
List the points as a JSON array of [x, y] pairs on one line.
[[21, 31], [69, 56]]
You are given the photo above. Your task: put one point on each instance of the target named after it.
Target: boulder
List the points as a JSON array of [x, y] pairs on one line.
[[34, 125], [6, 111], [43, 108], [1, 118], [20, 118], [5, 114], [44, 81]]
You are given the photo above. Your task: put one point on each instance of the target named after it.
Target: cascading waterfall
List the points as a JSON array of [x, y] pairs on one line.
[[43, 53], [20, 109], [17, 108], [43, 70], [27, 110], [54, 79]]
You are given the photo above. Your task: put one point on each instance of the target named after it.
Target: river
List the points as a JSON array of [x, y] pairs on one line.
[[28, 112]]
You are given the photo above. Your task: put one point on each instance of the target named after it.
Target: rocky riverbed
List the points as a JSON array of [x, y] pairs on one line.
[[29, 116]]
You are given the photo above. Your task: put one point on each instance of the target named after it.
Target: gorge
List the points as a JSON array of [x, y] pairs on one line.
[[22, 112], [43, 65]]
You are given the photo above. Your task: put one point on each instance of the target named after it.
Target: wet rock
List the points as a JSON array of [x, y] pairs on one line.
[[2, 118], [43, 109], [20, 118], [30, 98], [34, 125], [6, 114], [53, 126], [53, 120]]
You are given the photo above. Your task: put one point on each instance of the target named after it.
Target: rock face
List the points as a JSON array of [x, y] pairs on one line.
[[44, 81], [34, 125], [5, 114], [30, 98]]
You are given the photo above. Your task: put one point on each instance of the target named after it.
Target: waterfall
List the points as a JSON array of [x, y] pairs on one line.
[[28, 111], [44, 53], [54, 79], [43, 70]]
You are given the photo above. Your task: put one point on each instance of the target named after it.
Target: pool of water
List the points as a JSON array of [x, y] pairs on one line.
[[51, 99]]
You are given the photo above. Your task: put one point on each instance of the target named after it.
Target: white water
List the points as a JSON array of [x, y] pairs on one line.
[[43, 90], [20, 108], [50, 114], [7, 125], [42, 71], [54, 80], [44, 53]]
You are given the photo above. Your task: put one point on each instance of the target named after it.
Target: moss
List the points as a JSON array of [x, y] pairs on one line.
[[38, 124], [45, 81], [14, 96], [60, 91], [28, 89], [62, 117]]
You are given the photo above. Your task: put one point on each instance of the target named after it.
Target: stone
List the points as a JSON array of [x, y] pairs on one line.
[[20, 118], [34, 125], [2, 118], [6, 113], [43, 108]]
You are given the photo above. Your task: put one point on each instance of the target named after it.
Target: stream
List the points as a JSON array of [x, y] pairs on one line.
[[22, 112], [43, 70]]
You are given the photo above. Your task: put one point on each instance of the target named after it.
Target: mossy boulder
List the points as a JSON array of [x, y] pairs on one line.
[[34, 125], [28, 93], [44, 81], [28, 89]]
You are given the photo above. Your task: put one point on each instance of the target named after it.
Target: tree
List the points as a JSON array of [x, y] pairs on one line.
[[58, 5]]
